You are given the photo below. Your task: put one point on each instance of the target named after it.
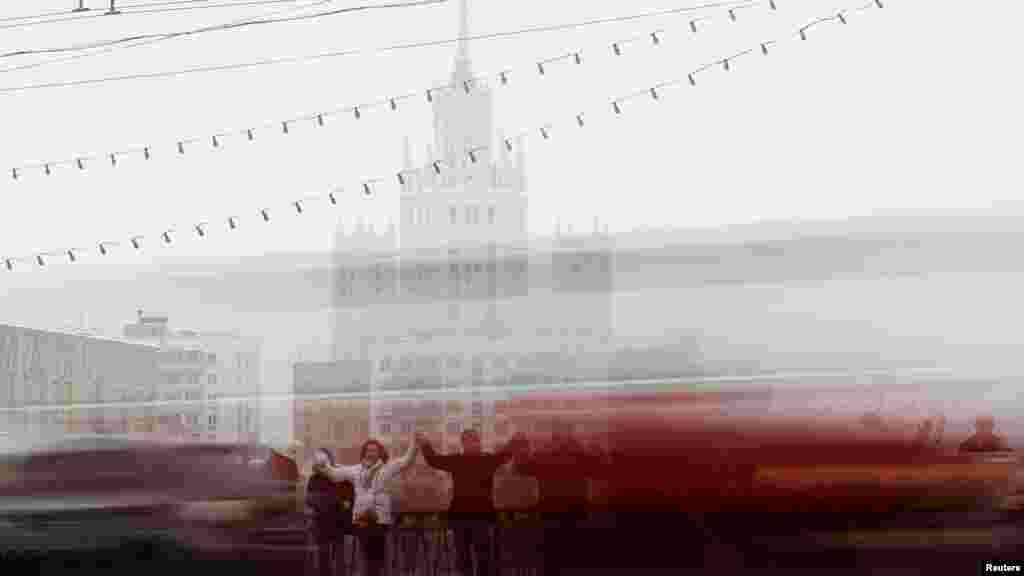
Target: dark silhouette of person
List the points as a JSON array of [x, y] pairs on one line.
[[562, 470], [471, 513], [984, 438], [332, 519]]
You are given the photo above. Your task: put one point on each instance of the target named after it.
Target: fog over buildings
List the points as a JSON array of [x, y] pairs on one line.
[[790, 295], [946, 296]]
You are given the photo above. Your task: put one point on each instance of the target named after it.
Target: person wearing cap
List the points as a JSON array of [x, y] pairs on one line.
[[984, 438], [471, 512], [372, 515]]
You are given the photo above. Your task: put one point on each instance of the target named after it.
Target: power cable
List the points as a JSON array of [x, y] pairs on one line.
[[220, 28], [368, 187], [149, 42], [218, 139], [128, 10], [360, 52]]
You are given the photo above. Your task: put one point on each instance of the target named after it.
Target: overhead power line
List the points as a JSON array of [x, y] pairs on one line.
[[200, 4], [655, 37], [219, 28], [87, 13], [371, 51], [368, 188], [148, 42]]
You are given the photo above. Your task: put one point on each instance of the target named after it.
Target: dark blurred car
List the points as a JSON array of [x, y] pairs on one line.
[[96, 492], [84, 492]]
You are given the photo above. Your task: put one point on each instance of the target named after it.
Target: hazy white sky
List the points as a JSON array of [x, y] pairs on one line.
[[912, 107]]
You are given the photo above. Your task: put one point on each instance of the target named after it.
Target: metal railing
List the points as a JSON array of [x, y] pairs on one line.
[[423, 543]]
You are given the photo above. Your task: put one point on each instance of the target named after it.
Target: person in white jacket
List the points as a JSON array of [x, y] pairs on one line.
[[371, 511]]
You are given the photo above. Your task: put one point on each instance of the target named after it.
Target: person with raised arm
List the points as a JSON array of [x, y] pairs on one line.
[[371, 511], [471, 513], [984, 438]]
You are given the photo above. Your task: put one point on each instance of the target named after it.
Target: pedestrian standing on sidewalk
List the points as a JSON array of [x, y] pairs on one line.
[[372, 513]]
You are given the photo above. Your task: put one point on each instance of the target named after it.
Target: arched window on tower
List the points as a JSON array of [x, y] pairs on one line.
[[490, 214], [452, 215]]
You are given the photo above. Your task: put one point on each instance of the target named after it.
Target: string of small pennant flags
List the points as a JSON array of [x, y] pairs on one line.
[[501, 78], [369, 187]]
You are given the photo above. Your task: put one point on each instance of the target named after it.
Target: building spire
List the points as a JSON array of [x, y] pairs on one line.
[[463, 70], [406, 154], [463, 47]]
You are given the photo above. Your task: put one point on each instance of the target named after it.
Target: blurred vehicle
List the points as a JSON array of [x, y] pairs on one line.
[[1008, 487], [96, 491], [785, 478], [239, 484], [84, 492], [755, 450]]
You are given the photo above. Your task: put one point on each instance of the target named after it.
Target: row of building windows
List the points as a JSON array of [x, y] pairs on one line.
[[408, 428], [424, 273], [407, 363], [188, 356], [471, 215], [192, 378], [178, 395], [501, 428]]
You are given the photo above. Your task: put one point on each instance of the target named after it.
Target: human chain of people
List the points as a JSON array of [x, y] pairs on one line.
[[562, 469], [356, 500], [370, 187]]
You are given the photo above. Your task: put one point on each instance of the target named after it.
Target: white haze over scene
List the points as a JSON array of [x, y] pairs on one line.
[[909, 111]]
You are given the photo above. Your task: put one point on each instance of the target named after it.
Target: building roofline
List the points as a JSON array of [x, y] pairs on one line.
[[84, 335]]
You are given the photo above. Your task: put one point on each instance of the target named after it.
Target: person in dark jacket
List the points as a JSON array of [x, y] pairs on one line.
[[331, 517], [471, 513], [562, 470]]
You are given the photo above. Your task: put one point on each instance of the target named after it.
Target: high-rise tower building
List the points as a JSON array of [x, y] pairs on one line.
[[451, 300]]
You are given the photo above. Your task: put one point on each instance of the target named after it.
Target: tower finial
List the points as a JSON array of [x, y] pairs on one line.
[[463, 49], [463, 70], [406, 154]]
